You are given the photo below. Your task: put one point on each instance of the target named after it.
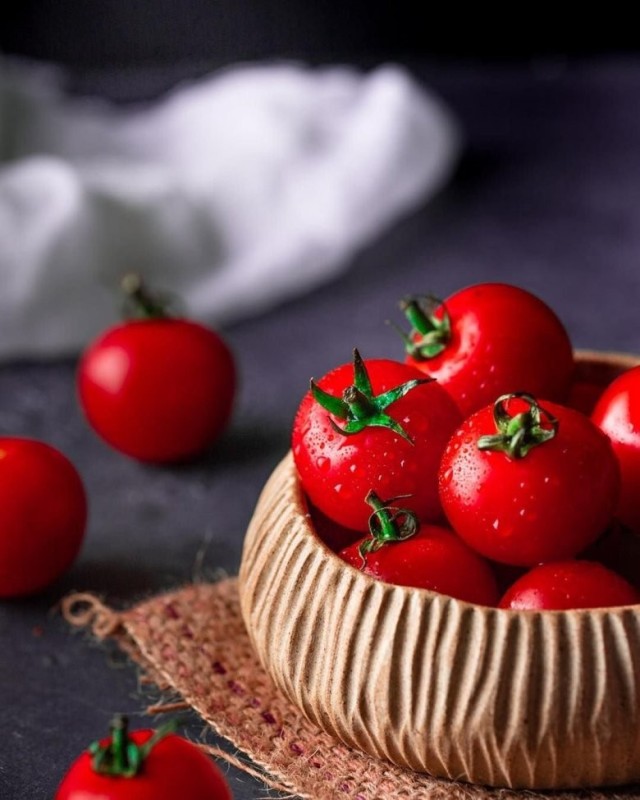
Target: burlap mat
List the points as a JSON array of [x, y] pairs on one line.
[[193, 641]]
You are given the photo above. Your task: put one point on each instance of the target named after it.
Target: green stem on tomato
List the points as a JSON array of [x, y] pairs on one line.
[[140, 302], [430, 332], [387, 523], [517, 435], [121, 756], [359, 407]]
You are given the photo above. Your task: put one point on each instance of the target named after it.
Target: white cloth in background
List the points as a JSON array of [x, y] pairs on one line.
[[235, 191]]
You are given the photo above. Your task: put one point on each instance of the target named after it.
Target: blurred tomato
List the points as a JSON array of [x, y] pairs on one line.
[[43, 515]]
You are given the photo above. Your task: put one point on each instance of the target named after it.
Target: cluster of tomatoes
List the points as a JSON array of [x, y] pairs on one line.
[[465, 469], [156, 387], [160, 389]]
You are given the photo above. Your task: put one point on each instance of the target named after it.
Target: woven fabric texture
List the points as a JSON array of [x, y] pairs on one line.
[[193, 641]]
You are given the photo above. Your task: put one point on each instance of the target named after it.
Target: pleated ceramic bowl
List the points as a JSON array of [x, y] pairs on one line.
[[537, 700]]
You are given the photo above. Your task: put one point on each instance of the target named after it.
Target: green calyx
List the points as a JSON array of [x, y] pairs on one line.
[[121, 757], [430, 332], [359, 407], [141, 303], [517, 435], [388, 523]]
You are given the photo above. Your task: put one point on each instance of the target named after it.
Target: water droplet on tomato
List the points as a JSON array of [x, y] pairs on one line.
[[323, 463]]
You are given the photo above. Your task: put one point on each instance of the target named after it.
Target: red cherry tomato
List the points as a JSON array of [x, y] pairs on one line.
[[173, 768], [487, 340], [340, 457], [545, 492], [569, 584], [159, 390], [433, 558], [43, 514], [617, 413]]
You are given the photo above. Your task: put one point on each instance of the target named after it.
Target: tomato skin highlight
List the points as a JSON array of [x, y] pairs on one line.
[[503, 339], [43, 515], [337, 471], [569, 585], [175, 768], [158, 390], [434, 558], [617, 413], [547, 506]]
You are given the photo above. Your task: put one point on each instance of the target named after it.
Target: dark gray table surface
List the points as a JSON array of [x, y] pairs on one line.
[[547, 196]]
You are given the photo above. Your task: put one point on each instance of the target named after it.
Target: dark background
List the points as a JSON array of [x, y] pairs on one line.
[[547, 195], [93, 33]]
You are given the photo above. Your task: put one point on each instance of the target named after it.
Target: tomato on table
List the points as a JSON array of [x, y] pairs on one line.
[[377, 425], [159, 388], [487, 340], [524, 482], [567, 585], [143, 765], [401, 551], [43, 515], [617, 413]]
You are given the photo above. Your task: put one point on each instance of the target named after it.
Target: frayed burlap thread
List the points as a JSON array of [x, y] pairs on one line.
[[193, 642]]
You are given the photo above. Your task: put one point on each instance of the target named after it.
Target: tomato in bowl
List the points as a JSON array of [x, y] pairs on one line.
[[500, 697]]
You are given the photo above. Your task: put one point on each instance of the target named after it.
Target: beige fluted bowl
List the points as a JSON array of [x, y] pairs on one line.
[[504, 698]]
